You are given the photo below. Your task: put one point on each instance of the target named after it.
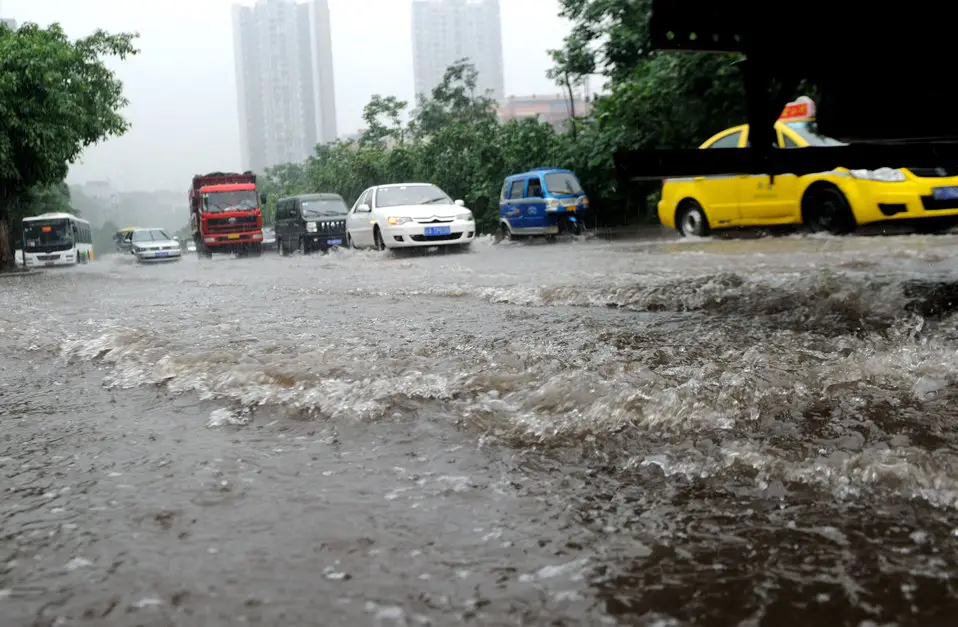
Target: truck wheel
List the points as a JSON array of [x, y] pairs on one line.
[[256, 250]]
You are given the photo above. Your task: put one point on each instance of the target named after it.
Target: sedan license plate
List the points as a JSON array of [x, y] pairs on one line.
[[162, 255], [433, 231], [49, 263], [945, 193], [334, 242]]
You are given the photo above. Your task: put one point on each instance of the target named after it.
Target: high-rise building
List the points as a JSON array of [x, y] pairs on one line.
[[284, 80], [9, 21], [445, 31]]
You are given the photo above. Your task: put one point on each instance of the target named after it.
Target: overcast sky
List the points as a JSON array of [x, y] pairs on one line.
[[182, 89]]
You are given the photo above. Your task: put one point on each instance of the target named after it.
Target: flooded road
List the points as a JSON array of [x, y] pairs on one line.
[[658, 433]]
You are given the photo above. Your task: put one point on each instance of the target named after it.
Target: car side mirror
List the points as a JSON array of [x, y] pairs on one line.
[[460, 203], [364, 208]]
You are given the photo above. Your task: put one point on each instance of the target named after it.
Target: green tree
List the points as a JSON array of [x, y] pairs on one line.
[[573, 63], [454, 101], [383, 118], [56, 99]]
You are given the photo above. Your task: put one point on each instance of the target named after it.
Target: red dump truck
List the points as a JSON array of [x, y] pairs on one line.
[[225, 214]]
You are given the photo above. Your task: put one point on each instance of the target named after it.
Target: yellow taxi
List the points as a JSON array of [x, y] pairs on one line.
[[835, 201]]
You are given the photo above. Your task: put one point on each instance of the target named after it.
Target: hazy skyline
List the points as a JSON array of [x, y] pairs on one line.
[[182, 85]]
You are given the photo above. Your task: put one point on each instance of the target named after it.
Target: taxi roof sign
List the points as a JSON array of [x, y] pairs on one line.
[[802, 108]]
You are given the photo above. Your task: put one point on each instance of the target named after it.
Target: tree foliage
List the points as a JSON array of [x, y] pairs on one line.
[[56, 99]]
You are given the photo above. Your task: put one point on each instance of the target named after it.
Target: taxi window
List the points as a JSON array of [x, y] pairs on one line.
[[788, 142], [809, 132], [729, 141]]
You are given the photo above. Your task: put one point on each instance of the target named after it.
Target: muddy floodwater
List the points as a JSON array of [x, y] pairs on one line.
[[732, 432]]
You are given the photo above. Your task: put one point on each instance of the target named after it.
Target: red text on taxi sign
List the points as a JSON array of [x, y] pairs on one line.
[[803, 107]]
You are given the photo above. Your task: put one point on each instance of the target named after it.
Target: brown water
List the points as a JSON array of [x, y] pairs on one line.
[[642, 433]]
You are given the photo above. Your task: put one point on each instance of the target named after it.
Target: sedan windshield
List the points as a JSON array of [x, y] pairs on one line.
[[324, 208], [217, 202], [411, 195], [151, 235]]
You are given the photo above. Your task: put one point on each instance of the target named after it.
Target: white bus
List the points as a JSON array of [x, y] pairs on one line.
[[56, 239]]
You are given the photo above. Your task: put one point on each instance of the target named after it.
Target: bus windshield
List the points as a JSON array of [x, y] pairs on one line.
[[47, 235]]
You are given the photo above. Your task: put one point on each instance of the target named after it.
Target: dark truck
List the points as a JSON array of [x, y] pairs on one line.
[[225, 214]]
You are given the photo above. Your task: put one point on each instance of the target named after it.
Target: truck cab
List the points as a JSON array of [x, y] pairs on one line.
[[226, 215]]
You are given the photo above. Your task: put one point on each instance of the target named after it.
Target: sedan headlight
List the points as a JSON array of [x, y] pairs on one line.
[[398, 220], [884, 175], [465, 216]]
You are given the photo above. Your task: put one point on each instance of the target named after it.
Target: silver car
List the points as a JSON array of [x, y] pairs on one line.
[[154, 245], [269, 238]]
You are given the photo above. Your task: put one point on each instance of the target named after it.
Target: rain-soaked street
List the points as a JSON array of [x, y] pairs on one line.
[[728, 432]]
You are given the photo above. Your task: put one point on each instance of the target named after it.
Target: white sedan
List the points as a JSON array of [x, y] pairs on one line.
[[154, 245], [408, 215]]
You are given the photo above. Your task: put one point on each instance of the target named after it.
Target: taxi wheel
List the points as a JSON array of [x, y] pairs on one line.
[[825, 209], [692, 220]]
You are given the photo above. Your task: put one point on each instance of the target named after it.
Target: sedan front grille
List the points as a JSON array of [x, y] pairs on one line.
[[436, 238]]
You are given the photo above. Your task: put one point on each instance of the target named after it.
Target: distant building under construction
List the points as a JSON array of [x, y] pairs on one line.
[[555, 110]]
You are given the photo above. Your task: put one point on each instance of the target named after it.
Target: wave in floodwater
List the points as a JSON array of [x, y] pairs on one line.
[[817, 381]]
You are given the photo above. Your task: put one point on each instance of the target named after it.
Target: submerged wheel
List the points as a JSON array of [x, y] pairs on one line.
[[378, 240], [826, 210], [692, 220]]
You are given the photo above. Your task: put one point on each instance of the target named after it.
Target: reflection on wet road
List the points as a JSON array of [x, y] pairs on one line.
[[639, 433]]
